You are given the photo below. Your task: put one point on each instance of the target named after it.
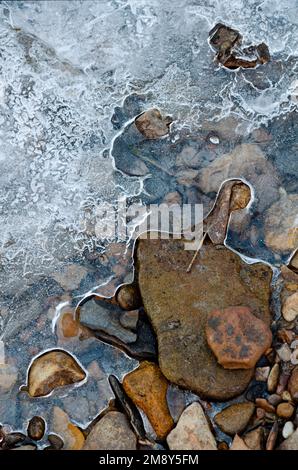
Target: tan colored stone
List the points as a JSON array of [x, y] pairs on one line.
[[178, 302], [128, 297], [254, 439], [293, 384], [112, 432], [265, 405], [273, 378], [147, 388], [241, 196], [290, 307], [71, 435], [291, 443], [236, 337], [192, 431], [53, 369], [281, 230], [285, 410], [234, 419], [238, 444]]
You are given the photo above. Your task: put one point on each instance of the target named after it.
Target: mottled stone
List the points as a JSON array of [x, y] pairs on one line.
[[53, 369], [152, 124], [285, 410], [112, 432], [273, 378], [147, 388], [192, 431], [70, 276], [100, 315], [72, 436], [241, 196], [178, 302], [290, 307], [281, 230], [236, 337], [254, 439], [36, 428], [293, 384], [234, 419]]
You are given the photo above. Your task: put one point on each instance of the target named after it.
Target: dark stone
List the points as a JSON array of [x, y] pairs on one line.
[[128, 407], [36, 428]]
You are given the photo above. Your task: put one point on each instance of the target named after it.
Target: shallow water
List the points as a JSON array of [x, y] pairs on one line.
[[73, 77]]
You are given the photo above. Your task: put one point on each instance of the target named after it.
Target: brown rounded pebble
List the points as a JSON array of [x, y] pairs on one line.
[[273, 379], [36, 428], [285, 410], [222, 446], [286, 396], [128, 297]]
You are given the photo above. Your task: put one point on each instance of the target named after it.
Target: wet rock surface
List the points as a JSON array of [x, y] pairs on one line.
[[101, 315], [147, 388], [112, 432], [234, 419], [152, 124], [193, 431], [178, 304]]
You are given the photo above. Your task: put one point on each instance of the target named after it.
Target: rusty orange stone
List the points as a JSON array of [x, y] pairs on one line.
[[147, 388], [236, 337], [69, 326]]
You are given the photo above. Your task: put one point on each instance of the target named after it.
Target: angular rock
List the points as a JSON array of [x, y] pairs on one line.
[[262, 373], [281, 229], [284, 352], [112, 432], [53, 369], [234, 419], [192, 431], [178, 302], [245, 161], [223, 39], [236, 337], [152, 124], [100, 315], [293, 384], [238, 444], [254, 439], [290, 307], [72, 436], [291, 443], [36, 428], [147, 388], [294, 261]]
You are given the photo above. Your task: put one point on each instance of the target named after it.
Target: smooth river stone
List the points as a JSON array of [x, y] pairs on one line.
[[178, 303]]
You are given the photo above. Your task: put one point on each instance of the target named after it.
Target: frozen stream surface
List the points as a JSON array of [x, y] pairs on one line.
[[73, 76]]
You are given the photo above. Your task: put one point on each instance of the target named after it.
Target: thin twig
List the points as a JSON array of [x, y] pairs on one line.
[[196, 253]]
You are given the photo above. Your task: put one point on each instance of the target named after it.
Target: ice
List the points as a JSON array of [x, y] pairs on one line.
[[65, 67]]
